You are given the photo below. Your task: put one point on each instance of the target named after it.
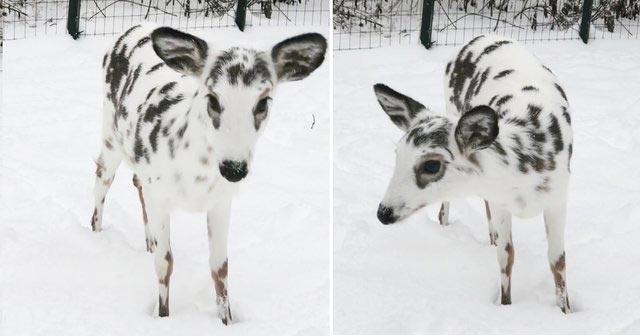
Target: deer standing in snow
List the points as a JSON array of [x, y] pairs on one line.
[[506, 137], [185, 116]]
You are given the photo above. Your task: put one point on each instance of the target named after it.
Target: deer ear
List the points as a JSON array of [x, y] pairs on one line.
[[476, 129], [400, 108], [182, 52], [297, 57]]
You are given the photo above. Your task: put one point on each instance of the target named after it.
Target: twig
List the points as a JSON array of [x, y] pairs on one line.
[[623, 26], [498, 20], [481, 15], [103, 14], [527, 8], [132, 2], [362, 16], [285, 15], [446, 14], [314, 120], [16, 10], [148, 10]]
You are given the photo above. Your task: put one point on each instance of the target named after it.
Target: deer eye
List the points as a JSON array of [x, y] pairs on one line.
[[430, 167], [263, 106], [214, 104]]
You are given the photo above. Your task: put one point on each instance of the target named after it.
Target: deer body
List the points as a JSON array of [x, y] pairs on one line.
[[185, 117], [506, 137]]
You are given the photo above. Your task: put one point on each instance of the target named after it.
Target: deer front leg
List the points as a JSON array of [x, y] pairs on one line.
[[217, 229], [163, 259], [554, 219], [506, 254], [106, 166], [443, 214], [149, 239], [492, 232]]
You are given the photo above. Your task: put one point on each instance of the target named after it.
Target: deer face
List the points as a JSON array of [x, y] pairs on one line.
[[434, 159], [237, 86]]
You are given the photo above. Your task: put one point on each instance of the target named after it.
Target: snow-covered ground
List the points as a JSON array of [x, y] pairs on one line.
[[59, 278], [418, 277]]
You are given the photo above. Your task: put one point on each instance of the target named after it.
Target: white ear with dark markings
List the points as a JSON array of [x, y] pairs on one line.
[[400, 108], [182, 52], [297, 57], [477, 129]]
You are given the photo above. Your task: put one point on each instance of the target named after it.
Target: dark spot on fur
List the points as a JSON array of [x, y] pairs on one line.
[[153, 136], [155, 67], [544, 185], [516, 122], [506, 292], [503, 100], [168, 87], [172, 148], [556, 134], [182, 130], [533, 111], [503, 73], [164, 306], [139, 44], [434, 130], [219, 278], [107, 144], [559, 88], [493, 47], [155, 111], [493, 99], [566, 115], [570, 154], [233, 73], [150, 93], [240, 69], [94, 219]]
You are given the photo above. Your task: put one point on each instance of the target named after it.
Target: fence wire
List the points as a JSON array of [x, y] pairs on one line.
[[376, 24], [30, 18], [288, 13], [359, 24]]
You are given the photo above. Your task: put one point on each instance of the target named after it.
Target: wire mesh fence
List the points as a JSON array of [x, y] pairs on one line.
[[362, 24], [288, 13], [527, 21], [29, 18], [359, 24], [520, 20]]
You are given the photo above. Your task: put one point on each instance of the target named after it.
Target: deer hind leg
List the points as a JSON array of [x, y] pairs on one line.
[[443, 214], [217, 228], [159, 225], [492, 232], [505, 251], [554, 219], [150, 240], [106, 166]]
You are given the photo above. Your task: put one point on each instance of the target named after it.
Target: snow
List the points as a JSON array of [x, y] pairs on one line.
[[59, 278], [418, 277]]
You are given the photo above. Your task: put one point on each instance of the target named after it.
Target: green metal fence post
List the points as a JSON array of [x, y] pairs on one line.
[[585, 24], [427, 23], [241, 14], [73, 19]]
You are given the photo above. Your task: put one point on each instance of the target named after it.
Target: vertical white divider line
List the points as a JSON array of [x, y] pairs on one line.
[[331, 59]]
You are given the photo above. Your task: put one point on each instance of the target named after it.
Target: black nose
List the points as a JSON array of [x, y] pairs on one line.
[[233, 171], [385, 215]]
